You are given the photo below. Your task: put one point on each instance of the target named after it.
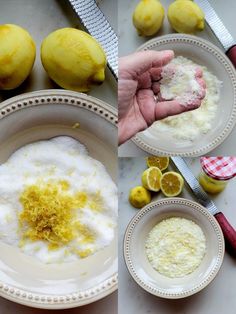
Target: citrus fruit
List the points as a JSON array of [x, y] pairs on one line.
[[160, 162], [171, 184], [17, 55], [73, 59], [148, 17], [151, 178], [185, 17], [139, 196]]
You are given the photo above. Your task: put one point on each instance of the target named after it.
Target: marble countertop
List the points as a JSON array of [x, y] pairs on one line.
[[217, 298], [129, 41], [40, 18]]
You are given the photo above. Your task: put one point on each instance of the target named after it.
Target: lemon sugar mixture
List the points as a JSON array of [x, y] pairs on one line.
[[179, 83], [175, 247], [57, 203]]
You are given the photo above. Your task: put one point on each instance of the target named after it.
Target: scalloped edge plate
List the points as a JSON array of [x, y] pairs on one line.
[[99, 109], [138, 265], [147, 144]]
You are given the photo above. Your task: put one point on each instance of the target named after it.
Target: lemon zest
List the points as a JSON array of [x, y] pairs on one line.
[[48, 212]]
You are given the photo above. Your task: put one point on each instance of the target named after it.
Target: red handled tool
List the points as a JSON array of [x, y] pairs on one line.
[[219, 30]]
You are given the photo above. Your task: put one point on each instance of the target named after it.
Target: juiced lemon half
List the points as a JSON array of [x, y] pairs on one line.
[[151, 179], [171, 184], [156, 161]]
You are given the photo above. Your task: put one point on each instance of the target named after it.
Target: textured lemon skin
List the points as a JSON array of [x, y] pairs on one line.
[[139, 197], [148, 17], [73, 59], [185, 17], [17, 55]]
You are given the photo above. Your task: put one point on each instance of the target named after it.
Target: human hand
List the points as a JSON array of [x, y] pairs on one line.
[[139, 74]]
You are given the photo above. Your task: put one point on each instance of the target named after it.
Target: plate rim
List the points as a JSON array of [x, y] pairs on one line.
[[105, 111], [138, 218], [205, 44]]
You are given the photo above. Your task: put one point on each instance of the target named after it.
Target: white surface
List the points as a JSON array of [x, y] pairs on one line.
[[129, 41], [217, 298], [40, 18]]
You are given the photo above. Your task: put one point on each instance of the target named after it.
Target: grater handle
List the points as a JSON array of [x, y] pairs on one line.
[[231, 53], [228, 231]]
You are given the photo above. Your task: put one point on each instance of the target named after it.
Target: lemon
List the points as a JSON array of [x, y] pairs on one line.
[[186, 17], [17, 55], [151, 179], [139, 196], [148, 17], [160, 162], [73, 59], [172, 183]]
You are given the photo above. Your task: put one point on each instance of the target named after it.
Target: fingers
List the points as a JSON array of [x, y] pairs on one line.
[[147, 104], [170, 108], [198, 73], [153, 111], [137, 63], [201, 82], [145, 80], [155, 74], [156, 88]]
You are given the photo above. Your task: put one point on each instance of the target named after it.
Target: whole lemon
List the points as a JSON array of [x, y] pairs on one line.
[[139, 196], [148, 17], [73, 59], [185, 17], [17, 55]]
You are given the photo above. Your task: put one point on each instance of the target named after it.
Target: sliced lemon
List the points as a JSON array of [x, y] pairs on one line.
[[139, 197], [156, 161], [151, 179], [171, 184]]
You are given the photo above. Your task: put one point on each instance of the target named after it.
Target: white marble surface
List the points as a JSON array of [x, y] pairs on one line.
[[217, 298], [40, 17], [129, 41]]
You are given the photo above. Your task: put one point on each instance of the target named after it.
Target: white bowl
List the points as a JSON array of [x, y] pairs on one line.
[[206, 54], [42, 115], [140, 268]]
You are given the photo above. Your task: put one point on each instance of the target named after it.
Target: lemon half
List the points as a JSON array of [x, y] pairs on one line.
[[151, 179], [156, 161], [171, 184]]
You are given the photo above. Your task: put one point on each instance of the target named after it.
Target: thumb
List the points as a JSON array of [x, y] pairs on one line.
[[166, 109], [140, 62], [154, 111]]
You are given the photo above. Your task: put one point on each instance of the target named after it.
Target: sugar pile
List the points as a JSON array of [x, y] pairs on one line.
[[190, 125]]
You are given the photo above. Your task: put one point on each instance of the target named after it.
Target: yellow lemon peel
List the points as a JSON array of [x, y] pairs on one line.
[[49, 214]]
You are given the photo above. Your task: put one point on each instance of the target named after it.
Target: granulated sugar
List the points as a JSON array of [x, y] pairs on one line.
[[192, 124], [179, 82]]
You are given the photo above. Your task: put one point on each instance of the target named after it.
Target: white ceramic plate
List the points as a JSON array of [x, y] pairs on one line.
[[140, 268], [206, 54], [42, 115]]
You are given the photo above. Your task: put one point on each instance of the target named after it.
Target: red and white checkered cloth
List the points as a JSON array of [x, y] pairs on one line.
[[219, 168]]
